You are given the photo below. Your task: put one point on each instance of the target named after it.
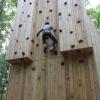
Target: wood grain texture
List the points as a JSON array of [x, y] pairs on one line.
[[21, 45], [69, 76], [71, 22]]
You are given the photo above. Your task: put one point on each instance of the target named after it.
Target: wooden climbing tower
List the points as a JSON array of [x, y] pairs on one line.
[[72, 74]]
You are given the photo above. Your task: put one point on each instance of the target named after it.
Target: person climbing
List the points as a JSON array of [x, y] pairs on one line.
[[46, 34]]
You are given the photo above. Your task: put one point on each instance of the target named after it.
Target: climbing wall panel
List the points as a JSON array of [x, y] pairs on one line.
[[58, 77], [21, 42], [72, 30], [46, 11]]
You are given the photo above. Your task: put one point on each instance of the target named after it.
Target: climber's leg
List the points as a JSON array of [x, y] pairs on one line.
[[54, 40], [44, 42]]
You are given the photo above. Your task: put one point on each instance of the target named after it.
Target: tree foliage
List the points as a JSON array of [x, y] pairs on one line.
[[95, 15], [7, 11]]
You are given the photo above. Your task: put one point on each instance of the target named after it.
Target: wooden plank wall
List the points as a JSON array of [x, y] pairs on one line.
[[72, 31], [56, 77], [21, 42]]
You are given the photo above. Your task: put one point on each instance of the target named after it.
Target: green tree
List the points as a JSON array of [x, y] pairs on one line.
[[7, 12], [95, 15]]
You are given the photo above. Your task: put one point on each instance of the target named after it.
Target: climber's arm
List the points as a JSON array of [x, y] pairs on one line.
[[39, 32], [53, 29]]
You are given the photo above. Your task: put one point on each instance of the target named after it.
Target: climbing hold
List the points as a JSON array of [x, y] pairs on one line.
[[69, 14], [31, 52], [6, 81], [48, 1], [80, 41], [78, 21], [32, 41], [72, 96], [50, 10], [28, 15], [15, 53], [62, 63], [60, 30], [65, 3], [42, 69], [47, 17], [23, 53], [67, 77], [45, 98], [39, 78], [17, 41], [30, 3], [27, 38], [12, 30], [72, 46], [80, 84], [71, 32], [59, 14], [33, 68], [20, 25], [88, 13], [40, 11], [75, 4], [81, 61], [37, 44]]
